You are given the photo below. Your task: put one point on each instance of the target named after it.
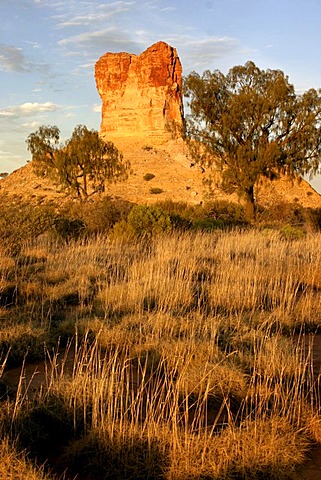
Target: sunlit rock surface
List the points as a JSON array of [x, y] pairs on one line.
[[141, 94]]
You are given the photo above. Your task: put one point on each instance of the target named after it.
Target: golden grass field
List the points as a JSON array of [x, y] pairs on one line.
[[185, 356]]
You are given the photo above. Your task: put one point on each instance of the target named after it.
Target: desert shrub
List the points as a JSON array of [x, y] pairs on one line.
[[206, 217], [184, 216], [312, 218], [122, 231], [22, 222], [207, 224], [68, 228], [228, 213], [146, 221], [148, 176], [288, 232], [178, 213], [156, 191], [284, 213], [98, 216]]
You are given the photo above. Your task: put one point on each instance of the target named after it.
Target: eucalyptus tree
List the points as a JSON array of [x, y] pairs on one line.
[[82, 165], [251, 123]]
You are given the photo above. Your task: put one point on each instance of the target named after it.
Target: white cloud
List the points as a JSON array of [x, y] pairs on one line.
[[31, 124], [96, 108], [28, 108]]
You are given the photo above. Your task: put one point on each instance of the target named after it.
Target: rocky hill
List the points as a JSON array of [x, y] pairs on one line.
[[142, 113]]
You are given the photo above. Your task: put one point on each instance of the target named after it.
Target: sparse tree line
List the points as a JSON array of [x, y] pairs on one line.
[[21, 222]]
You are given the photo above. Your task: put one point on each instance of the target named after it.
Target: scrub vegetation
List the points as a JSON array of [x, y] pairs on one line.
[[181, 353]]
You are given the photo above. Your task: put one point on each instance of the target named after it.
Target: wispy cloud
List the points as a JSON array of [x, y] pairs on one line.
[[88, 15], [197, 53], [86, 31], [12, 59], [203, 51], [112, 38]]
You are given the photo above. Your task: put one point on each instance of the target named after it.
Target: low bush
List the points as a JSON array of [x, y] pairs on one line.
[[99, 216], [146, 221], [288, 232], [212, 215], [148, 176], [68, 229], [22, 222], [156, 191], [282, 213], [228, 213]]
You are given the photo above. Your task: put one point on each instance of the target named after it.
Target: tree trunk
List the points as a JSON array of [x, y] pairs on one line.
[[250, 207]]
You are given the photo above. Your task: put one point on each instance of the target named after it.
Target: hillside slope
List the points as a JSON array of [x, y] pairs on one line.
[[175, 175]]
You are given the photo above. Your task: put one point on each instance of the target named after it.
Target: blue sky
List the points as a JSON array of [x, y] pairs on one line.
[[48, 49]]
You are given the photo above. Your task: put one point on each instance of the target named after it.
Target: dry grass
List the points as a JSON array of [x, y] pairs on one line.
[[187, 356], [13, 465]]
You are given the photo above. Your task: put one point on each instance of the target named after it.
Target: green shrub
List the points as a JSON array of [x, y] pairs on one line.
[[156, 191], [208, 224], [212, 215], [122, 231], [288, 232], [146, 221], [148, 176]]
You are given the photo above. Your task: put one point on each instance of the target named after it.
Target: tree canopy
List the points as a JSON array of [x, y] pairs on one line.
[[81, 165], [251, 123]]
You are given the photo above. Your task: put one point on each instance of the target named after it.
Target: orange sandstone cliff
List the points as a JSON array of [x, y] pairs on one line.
[[141, 94]]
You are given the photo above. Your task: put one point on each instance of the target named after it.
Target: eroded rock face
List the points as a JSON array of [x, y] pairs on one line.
[[141, 94]]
